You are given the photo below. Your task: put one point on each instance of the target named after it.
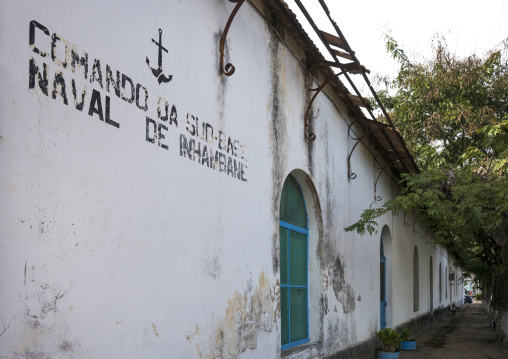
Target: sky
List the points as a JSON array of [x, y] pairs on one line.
[[468, 26]]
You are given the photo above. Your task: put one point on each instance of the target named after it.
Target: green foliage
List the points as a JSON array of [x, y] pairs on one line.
[[367, 222], [390, 339], [394, 49], [447, 105], [404, 335], [479, 296], [453, 115]]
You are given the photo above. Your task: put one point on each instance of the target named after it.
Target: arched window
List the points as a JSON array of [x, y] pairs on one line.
[[382, 282], [293, 266], [446, 281], [431, 284], [416, 281], [440, 284], [455, 281]]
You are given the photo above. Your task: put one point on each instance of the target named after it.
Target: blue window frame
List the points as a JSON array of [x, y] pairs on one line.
[[294, 233]]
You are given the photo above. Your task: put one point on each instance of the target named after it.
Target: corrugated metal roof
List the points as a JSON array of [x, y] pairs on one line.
[[387, 140]]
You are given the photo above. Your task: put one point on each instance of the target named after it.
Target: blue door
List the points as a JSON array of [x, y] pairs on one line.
[[382, 289]]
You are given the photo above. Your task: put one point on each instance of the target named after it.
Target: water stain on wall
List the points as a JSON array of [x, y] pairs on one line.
[[246, 315], [310, 144], [278, 139], [40, 329], [190, 336], [343, 291], [46, 338], [276, 292], [331, 263], [154, 329], [221, 78]]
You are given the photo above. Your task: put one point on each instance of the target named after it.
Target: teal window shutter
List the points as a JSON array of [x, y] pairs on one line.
[[293, 266]]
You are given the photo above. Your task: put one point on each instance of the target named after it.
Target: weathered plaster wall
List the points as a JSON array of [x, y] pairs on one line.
[[121, 237]]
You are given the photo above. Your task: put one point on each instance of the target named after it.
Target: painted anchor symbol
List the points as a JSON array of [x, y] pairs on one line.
[[158, 71]]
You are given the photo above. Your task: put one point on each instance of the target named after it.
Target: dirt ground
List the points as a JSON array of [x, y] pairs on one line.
[[464, 335]]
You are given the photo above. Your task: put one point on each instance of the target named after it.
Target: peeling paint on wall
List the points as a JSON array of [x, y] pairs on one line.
[[331, 263], [340, 333], [45, 338], [343, 291], [331, 260], [246, 315], [212, 267], [40, 329]]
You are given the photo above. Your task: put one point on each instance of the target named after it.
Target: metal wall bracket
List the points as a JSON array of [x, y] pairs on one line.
[[396, 193], [311, 136], [405, 224], [229, 69], [352, 175], [415, 232], [379, 198]]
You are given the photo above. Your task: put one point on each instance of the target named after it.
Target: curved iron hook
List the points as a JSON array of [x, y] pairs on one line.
[[349, 130], [415, 232], [350, 174], [379, 175], [353, 138], [311, 136], [229, 69], [379, 168], [377, 155]]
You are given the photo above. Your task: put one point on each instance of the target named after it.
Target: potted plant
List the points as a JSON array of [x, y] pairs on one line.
[[406, 343], [390, 342]]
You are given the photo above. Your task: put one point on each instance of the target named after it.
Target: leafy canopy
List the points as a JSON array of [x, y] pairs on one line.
[[453, 114]]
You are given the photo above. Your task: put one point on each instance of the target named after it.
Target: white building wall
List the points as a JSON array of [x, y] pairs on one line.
[[111, 245]]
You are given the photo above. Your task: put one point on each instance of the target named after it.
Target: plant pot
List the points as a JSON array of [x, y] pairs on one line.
[[387, 355], [408, 345]]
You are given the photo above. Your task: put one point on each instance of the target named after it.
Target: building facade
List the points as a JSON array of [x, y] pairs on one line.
[[152, 206]]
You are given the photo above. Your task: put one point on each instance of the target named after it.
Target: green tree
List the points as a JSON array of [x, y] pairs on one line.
[[453, 114]]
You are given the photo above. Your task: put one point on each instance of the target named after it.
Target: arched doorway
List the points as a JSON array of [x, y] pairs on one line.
[[431, 289], [382, 288], [440, 285], [385, 276], [416, 281]]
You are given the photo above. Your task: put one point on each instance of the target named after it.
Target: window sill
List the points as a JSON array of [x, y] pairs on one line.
[[287, 353]]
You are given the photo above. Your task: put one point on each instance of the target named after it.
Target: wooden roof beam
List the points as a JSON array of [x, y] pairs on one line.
[[358, 100], [342, 54], [334, 40]]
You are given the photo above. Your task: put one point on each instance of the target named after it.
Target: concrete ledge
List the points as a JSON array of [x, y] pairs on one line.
[[367, 349], [309, 350], [423, 322], [363, 350]]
